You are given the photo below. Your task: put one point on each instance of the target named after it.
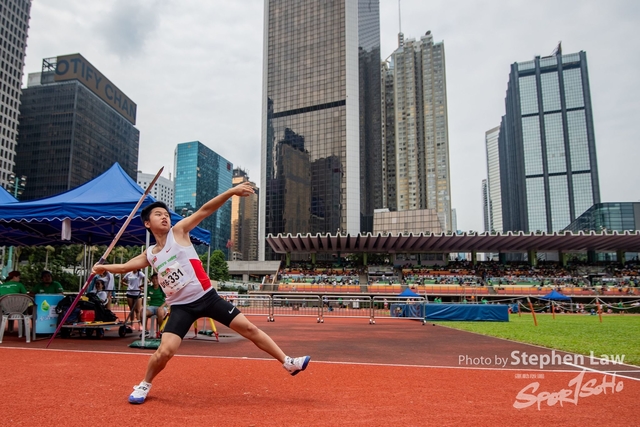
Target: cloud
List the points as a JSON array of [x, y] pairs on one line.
[[127, 25]]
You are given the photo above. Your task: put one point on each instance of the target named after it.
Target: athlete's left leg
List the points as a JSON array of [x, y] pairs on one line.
[[244, 327]]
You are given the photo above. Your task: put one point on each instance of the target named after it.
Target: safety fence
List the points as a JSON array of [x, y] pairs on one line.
[[331, 306]]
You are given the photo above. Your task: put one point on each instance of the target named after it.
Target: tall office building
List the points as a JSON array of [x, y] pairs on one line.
[[200, 175], [486, 206], [244, 221], [14, 25], [162, 190], [547, 148], [416, 144], [321, 151], [493, 194], [74, 125]]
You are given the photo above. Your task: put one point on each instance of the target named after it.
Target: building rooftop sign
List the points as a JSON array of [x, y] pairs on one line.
[[76, 67]]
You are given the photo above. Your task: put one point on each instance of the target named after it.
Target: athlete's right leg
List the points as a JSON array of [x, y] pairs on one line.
[[169, 344], [177, 327]]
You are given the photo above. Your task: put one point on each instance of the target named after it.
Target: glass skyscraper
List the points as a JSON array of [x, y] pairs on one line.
[[608, 217], [321, 137], [416, 137], [547, 148], [200, 175], [493, 192]]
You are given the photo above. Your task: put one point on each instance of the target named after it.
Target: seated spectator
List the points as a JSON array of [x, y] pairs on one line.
[[101, 293], [47, 285], [109, 286], [12, 284]]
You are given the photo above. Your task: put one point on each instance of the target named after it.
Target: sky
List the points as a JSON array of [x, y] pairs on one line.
[[194, 69]]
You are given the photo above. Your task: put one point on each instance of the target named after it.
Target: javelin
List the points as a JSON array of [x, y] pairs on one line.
[[104, 256]]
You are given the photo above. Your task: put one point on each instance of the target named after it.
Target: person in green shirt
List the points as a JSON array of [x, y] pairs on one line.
[[157, 305], [47, 285], [12, 285]]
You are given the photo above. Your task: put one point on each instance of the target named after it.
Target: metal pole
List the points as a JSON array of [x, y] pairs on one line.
[[16, 185], [144, 296], [208, 259]]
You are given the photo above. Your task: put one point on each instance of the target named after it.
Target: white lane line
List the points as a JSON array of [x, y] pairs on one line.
[[605, 372], [396, 365]]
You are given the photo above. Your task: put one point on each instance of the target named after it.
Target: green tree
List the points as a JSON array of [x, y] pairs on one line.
[[218, 268]]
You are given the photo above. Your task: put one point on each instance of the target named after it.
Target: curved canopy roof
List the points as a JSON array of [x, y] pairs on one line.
[[11, 236], [96, 210], [485, 242]]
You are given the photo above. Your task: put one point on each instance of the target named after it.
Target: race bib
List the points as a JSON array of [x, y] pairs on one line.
[[172, 279]]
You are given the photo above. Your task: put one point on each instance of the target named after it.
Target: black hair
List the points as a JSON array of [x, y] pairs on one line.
[[12, 274], [146, 212]]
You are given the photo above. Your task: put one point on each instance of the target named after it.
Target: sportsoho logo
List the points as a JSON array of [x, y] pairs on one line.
[[577, 389]]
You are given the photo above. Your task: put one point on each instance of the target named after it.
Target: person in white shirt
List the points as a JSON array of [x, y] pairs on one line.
[[134, 281], [100, 292]]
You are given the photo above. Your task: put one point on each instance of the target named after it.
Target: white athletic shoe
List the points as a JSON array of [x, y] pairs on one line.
[[296, 364], [140, 393]]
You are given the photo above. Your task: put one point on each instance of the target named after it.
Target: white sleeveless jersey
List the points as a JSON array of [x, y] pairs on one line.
[[180, 272], [134, 281]]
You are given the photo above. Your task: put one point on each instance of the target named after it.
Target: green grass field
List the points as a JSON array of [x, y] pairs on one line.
[[581, 334]]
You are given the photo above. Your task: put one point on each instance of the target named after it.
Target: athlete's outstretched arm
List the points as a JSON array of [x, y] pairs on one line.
[[187, 224], [137, 263]]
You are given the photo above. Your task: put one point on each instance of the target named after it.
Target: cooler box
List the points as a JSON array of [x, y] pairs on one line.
[[46, 316], [87, 315]]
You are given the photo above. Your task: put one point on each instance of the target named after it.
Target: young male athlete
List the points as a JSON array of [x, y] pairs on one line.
[[188, 289]]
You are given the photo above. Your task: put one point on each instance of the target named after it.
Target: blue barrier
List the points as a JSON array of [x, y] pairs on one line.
[[487, 312]]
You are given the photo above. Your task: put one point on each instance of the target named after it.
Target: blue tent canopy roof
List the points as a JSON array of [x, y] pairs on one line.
[[5, 197], [409, 294], [555, 296], [10, 236], [96, 211]]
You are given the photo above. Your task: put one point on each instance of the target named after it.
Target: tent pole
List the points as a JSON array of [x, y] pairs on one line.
[[144, 294], [85, 266]]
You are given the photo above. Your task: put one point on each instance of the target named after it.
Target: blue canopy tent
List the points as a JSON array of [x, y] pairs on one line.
[[92, 212], [555, 296], [5, 197], [408, 293], [414, 309], [12, 237]]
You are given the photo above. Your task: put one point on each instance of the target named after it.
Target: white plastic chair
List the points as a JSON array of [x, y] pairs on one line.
[[14, 307]]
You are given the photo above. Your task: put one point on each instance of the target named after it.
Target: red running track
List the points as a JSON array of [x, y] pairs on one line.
[[393, 373]]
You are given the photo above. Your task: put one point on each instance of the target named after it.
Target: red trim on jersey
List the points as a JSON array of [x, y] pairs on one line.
[[200, 274]]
